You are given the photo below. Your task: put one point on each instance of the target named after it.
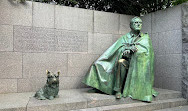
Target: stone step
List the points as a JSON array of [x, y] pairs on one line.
[[179, 108], [70, 100], [142, 106]]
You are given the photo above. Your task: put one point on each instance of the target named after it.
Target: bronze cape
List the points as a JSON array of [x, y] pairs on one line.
[[137, 81]]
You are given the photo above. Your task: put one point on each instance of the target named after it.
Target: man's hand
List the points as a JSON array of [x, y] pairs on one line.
[[126, 52], [134, 48]]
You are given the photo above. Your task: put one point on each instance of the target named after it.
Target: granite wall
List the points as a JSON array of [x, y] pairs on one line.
[[165, 29], [185, 49], [36, 36]]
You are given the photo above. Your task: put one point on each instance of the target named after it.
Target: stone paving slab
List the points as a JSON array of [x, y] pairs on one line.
[[179, 108], [71, 99], [141, 106], [14, 101]]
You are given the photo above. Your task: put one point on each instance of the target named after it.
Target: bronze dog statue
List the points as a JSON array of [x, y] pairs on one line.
[[51, 88]]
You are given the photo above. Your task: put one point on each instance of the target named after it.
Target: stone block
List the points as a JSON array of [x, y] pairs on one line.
[[34, 84], [79, 64], [71, 41], [146, 23], [116, 37], [185, 35], [43, 15], [158, 81], [8, 85], [16, 14], [14, 101], [155, 42], [172, 83], [185, 48], [11, 66], [68, 100], [174, 42], [174, 18], [185, 15], [169, 71], [170, 42], [185, 65], [6, 38], [159, 21], [36, 64], [165, 20], [73, 18], [162, 45], [71, 83], [174, 60], [160, 60], [98, 43], [28, 39], [124, 24], [106, 22], [31, 84]]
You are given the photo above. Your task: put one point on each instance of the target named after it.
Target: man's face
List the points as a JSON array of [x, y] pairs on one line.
[[136, 24]]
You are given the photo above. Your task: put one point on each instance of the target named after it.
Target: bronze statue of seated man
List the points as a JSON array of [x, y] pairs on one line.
[[126, 68]]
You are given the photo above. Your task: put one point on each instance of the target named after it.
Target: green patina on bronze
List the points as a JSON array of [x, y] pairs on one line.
[[137, 74]]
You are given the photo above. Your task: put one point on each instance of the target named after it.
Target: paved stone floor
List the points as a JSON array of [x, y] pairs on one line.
[[74, 99]]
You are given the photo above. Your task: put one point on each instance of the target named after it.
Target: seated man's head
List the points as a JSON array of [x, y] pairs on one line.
[[136, 24]]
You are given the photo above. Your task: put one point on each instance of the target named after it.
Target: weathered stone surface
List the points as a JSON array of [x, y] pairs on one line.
[[116, 37], [124, 23], [11, 65], [158, 20], [179, 108], [28, 39], [169, 71], [6, 38], [98, 43], [43, 15], [36, 64], [66, 101], [31, 84], [174, 18], [72, 41], [106, 22], [73, 18], [155, 42], [78, 64], [185, 87], [14, 101], [185, 35], [170, 60], [162, 43], [174, 42], [170, 42], [146, 21], [172, 83], [82, 100], [141, 106], [185, 15], [185, 48], [15, 14], [185, 65], [158, 81], [71, 82], [97, 100], [8, 85], [165, 20]]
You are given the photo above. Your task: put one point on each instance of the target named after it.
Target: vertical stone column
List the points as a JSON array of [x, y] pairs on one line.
[[185, 50]]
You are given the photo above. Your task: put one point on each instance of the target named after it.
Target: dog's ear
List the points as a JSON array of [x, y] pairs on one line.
[[58, 73], [47, 72]]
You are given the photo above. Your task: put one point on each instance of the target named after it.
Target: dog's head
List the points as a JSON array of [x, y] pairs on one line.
[[52, 79]]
